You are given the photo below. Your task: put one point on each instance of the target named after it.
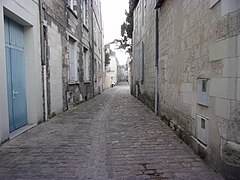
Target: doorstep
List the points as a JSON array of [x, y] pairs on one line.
[[21, 130]]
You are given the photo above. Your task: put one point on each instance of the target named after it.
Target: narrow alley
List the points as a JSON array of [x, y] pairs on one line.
[[113, 136]]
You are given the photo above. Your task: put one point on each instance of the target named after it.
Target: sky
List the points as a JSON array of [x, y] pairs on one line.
[[113, 14]]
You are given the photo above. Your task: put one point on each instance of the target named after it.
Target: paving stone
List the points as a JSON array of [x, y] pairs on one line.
[[113, 136]]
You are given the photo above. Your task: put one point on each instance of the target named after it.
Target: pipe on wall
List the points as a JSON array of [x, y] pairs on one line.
[[43, 61], [156, 108], [93, 53]]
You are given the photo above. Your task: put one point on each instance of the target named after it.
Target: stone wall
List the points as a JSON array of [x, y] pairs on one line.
[[26, 14], [199, 43], [98, 46], [198, 74], [63, 24], [143, 85]]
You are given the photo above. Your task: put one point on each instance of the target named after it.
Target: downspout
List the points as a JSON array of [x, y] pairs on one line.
[[93, 53], [156, 109], [43, 61]]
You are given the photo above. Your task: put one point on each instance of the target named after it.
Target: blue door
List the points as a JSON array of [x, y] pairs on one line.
[[15, 74]]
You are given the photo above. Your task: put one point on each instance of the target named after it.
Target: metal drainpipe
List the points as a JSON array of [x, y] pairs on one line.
[[93, 53], [157, 65], [43, 61]]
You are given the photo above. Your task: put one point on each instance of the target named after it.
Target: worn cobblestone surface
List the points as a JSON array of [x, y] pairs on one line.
[[112, 136]]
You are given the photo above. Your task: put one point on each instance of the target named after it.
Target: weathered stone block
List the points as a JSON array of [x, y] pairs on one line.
[[231, 153], [222, 108], [230, 67], [223, 49], [189, 98], [238, 45], [238, 69], [222, 28], [187, 87], [235, 118], [238, 89], [223, 87]]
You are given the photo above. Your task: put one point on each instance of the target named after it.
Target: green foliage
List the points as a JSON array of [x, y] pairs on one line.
[[126, 30]]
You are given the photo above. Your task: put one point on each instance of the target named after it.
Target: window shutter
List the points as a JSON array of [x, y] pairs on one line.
[[86, 15], [72, 62], [82, 10], [75, 6]]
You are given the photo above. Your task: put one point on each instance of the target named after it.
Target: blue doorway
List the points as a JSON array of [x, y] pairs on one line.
[[14, 48]]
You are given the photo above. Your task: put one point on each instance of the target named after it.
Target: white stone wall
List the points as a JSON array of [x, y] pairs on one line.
[[144, 32], [198, 39], [55, 65], [26, 14], [112, 69], [98, 46]]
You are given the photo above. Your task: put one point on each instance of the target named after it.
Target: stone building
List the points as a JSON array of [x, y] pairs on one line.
[[122, 73], [20, 67], [98, 46], [52, 59], [186, 68], [111, 69], [73, 39]]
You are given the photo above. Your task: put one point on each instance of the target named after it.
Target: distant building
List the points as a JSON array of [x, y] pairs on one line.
[[112, 71], [185, 67], [122, 73]]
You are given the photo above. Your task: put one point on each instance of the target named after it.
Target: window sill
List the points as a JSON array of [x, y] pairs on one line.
[[73, 82], [85, 27], [203, 104], [88, 82]]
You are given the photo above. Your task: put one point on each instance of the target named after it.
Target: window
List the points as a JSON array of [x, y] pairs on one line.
[[142, 80], [72, 4], [202, 129], [85, 12], [204, 85], [202, 123], [86, 63], [202, 91], [72, 60]]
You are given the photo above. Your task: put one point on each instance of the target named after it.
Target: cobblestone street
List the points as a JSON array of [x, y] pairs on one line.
[[113, 136]]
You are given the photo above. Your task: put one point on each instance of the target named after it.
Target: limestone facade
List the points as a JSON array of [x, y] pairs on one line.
[[70, 38], [197, 73], [25, 16]]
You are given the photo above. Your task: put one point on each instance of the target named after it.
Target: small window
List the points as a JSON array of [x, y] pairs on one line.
[[202, 129], [202, 91], [72, 4], [204, 85], [202, 123]]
